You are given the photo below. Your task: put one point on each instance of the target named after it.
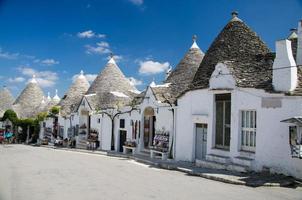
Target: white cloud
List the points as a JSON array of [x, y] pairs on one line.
[[8, 55], [150, 67], [47, 62], [90, 34], [134, 81], [90, 77], [103, 44], [44, 78], [100, 48], [137, 2], [100, 35], [16, 80]]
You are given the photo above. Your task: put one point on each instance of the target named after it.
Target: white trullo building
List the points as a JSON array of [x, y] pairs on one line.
[[28, 102], [6, 100], [67, 120], [231, 116], [155, 106], [108, 93]]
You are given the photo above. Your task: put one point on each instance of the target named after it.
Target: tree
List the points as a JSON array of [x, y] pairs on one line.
[[53, 113], [11, 116], [41, 116], [112, 115], [167, 96]]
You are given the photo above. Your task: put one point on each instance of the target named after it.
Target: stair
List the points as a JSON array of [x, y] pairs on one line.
[[218, 158], [238, 164], [217, 165], [243, 161]]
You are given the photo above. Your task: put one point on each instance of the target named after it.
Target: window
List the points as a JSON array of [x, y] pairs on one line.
[[248, 130], [122, 123], [99, 120], [223, 120]]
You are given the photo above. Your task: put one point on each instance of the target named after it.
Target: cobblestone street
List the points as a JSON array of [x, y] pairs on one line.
[[41, 173]]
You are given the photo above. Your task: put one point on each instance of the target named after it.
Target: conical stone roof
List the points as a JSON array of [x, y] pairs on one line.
[[108, 86], [6, 100], [248, 57], [73, 96], [29, 99], [183, 74]]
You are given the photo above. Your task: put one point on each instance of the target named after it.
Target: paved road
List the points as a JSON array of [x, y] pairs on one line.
[[37, 173]]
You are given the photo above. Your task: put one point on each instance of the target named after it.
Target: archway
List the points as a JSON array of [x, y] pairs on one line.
[[149, 127]]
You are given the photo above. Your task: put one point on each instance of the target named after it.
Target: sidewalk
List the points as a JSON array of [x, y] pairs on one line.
[[248, 179]]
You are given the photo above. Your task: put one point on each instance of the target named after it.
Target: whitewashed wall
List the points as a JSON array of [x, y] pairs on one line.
[[272, 149], [163, 120]]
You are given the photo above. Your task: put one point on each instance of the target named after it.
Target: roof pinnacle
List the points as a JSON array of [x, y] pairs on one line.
[[112, 61], [56, 97], [81, 74], [194, 38], [194, 45], [235, 16], [33, 80]]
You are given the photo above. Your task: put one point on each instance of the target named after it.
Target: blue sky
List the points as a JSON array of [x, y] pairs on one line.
[[56, 39]]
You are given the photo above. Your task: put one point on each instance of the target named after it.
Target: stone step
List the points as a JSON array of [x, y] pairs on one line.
[[217, 165], [243, 161], [237, 168], [218, 158], [210, 164]]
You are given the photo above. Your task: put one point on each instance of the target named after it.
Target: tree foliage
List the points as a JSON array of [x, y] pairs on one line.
[[10, 115], [54, 111]]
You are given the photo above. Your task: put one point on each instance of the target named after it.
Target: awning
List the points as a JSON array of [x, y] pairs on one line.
[[294, 120]]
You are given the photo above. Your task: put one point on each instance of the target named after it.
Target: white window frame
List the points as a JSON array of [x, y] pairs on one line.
[[248, 130]]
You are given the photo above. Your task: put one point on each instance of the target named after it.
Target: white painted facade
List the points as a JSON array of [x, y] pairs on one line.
[[272, 149], [162, 112]]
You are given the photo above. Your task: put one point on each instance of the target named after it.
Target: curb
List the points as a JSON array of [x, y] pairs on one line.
[[173, 167]]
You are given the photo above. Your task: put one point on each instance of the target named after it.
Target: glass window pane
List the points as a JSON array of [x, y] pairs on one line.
[[251, 119], [219, 123], [228, 112], [255, 119], [227, 136], [243, 119], [255, 139]]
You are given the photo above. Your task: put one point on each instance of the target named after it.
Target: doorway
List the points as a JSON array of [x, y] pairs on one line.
[[149, 127], [201, 141], [223, 121], [123, 137]]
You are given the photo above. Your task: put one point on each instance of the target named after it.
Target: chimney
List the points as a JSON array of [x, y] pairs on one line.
[[299, 47], [284, 67]]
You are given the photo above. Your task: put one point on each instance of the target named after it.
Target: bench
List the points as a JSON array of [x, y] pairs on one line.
[[127, 149], [153, 153]]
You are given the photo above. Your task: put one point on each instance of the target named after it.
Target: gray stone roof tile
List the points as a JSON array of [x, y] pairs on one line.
[[111, 79], [73, 96], [251, 58], [6, 100]]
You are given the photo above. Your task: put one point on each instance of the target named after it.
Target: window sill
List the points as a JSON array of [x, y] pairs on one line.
[[247, 151], [221, 148]]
